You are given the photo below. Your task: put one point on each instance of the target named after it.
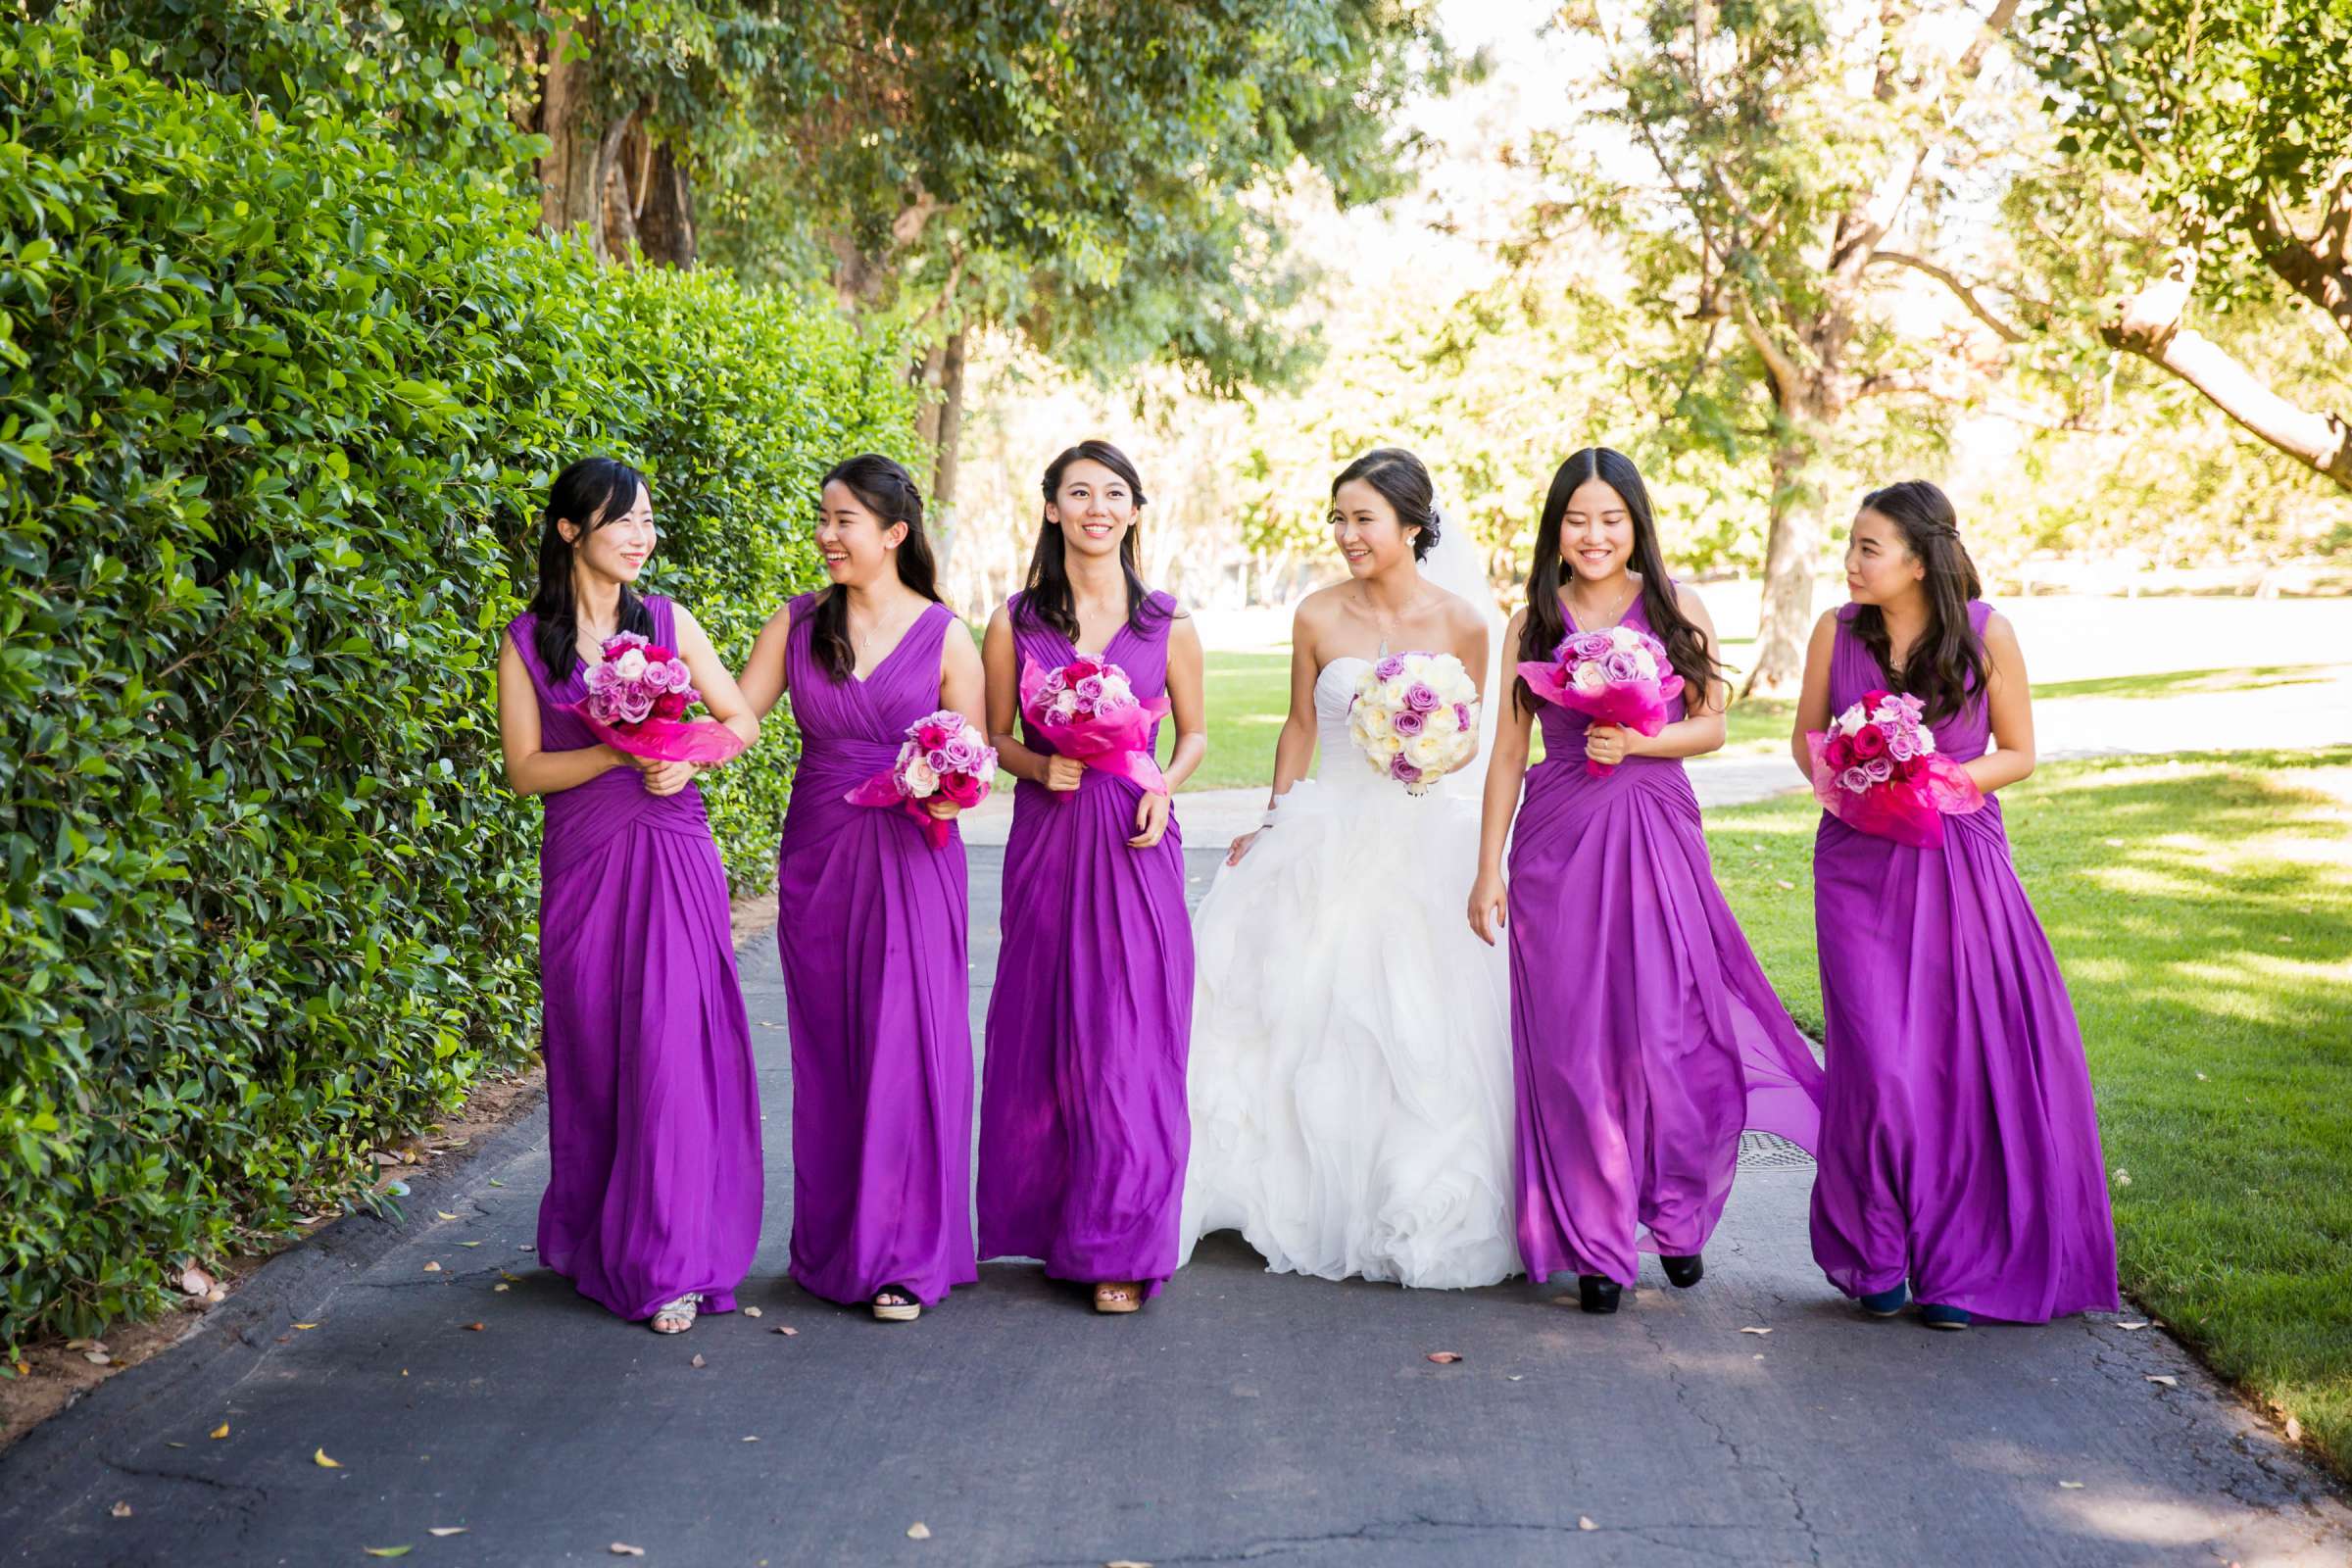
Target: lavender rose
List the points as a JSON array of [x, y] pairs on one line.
[[1621, 667], [1389, 668], [1854, 779], [1402, 771], [1408, 721], [1420, 699]]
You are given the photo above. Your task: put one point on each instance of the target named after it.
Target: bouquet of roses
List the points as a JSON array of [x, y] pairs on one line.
[[1415, 718], [944, 757], [1619, 677], [1876, 769], [637, 701], [1089, 710]]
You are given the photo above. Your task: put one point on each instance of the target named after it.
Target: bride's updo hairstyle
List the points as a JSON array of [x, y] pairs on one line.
[[1547, 622], [1406, 485]]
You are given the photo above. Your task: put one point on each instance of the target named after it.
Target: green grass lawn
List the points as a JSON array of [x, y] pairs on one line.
[[2203, 910]]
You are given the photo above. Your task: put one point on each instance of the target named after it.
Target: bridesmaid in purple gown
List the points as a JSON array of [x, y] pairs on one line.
[[872, 931], [653, 1188], [1083, 1127], [1644, 1035], [1960, 1146]]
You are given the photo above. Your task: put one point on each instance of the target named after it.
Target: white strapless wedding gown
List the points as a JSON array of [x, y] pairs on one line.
[[1350, 1077]]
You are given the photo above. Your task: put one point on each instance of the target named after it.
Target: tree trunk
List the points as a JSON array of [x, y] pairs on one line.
[[1791, 551], [570, 190], [665, 212], [948, 434]]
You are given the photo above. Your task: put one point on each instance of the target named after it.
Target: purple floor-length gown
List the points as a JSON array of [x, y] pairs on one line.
[[873, 938], [1960, 1144], [1644, 1033], [654, 1184], [1082, 1130]]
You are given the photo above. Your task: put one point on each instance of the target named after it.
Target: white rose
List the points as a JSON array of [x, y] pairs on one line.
[[1647, 663], [1441, 721], [1425, 750], [630, 666], [1375, 722], [1390, 744], [921, 780], [1625, 637], [1588, 679]]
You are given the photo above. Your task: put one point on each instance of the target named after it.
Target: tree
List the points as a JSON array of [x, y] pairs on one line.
[[1795, 147], [2237, 117]]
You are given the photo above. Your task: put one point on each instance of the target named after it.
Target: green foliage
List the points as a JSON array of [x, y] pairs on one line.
[[276, 412]]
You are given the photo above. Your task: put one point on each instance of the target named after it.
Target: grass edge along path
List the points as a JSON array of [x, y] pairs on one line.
[[2201, 908]]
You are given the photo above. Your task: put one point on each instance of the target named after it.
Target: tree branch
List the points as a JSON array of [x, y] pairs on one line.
[[2148, 324], [2306, 265], [1966, 294]]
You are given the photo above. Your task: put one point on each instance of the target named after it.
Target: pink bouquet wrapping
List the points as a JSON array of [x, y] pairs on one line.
[[1618, 677], [1090, 712], [945, 758], [1876, 769], [637, 701]]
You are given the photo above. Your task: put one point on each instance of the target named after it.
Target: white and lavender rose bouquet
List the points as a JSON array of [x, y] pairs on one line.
[[1415, 718], [637, 700], [946, 757], [1876, 769]]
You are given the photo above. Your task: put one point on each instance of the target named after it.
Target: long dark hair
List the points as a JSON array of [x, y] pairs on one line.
[[1547, 619], [1047, 599], [1401, 477], [888, 491], [592, 494], [1945, 668]]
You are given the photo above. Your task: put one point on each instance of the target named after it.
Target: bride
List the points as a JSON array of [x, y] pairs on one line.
[[1350, 1077]]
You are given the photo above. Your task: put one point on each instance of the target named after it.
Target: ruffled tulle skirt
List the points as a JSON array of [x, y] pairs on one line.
[[1350, 1074]]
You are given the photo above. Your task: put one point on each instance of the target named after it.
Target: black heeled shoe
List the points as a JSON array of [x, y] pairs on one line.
[[1684, 1272], [1598, 1293]]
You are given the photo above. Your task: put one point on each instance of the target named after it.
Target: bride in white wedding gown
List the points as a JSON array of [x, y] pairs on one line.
[[1350, 1076]]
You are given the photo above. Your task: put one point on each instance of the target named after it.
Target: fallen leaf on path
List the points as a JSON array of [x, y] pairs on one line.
[[469, 1244], [2167, 1381], [2294, 1429], [432, 1267], [495, 1182], [751, 1311], [306, 1325], [121, 1510], [786, 1329], [446, 1530], [2070, 1486], [1125, 1562], [2127, 1327], [97, 1358], [1585, 1523], [217, 1294], [220, 1431], [1786, 886], [86, 1345], [1755, 1331], [512, 1279], [526, 1248], [750, 1439], [194, 1280], [499, 1287], [320, 1459], [697, 1360], [174, 1445], [1443, 1357], [445, 1213], [475, 1328], [918, 1531], [387, 1551], [622, 1549], [1518, 1377]]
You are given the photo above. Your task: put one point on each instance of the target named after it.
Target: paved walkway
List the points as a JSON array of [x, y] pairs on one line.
[[1243, 1417]]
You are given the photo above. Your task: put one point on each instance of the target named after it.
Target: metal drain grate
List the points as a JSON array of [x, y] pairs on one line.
[[1764, 1152]]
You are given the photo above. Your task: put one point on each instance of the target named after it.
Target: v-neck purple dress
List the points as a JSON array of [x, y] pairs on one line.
[[1960, 1142], [1644, 1035], [1083, 1127], [653, 1109], [872, 934]]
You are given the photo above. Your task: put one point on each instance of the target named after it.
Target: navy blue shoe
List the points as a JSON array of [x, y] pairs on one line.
[[1943, 1317], [1887, 1302]]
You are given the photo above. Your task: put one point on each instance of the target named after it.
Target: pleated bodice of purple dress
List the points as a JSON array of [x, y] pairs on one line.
[[1645, 1034], [1960, 1142], [1083, 1126], [653, 1187], [873, 938]]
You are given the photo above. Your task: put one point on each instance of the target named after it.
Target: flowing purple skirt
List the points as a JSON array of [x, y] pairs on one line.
[[1083, 1127], [1645, 1033], [1960, 1143], [652, 1107]]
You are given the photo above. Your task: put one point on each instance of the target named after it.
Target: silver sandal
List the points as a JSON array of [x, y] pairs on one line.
[[680, 1311]]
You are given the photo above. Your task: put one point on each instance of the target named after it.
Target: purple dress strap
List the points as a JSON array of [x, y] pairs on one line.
[[1960, 1140], [655, 1173], [1083, 1129]]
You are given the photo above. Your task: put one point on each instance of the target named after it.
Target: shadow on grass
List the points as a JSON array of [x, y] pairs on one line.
[[2201, 908], [2181, 682]]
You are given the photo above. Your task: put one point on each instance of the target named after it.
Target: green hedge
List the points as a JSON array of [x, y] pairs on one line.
[[277, 409]]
